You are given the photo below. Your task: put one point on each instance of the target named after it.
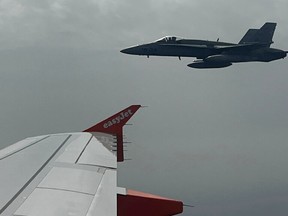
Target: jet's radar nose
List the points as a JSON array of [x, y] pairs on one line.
[[126, 51], [144, 49], [131, 50]]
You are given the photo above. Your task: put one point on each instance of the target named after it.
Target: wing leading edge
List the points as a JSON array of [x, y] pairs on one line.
[[73, 174]]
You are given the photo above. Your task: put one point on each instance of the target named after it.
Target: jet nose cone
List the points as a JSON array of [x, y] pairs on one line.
[[130, 50], [123, 51]]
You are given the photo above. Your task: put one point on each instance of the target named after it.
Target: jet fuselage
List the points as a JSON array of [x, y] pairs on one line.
[[182, 48], [207, 49]]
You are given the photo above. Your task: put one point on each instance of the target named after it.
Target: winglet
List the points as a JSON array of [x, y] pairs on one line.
[[114, 125]]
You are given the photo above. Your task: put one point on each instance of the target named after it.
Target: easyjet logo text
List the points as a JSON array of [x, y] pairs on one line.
[[118, 119]]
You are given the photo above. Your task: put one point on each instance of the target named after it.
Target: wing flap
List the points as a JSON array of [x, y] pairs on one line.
[[48, 202], [71, 179], [79, 192]]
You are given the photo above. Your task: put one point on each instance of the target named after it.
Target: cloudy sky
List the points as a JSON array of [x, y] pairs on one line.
[[216, 139]]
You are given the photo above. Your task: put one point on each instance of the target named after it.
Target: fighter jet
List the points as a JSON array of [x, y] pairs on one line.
[[254, 46]]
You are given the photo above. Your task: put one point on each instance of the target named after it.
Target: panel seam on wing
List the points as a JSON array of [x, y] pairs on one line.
[[60, 189], [84, 149], [24, 148]]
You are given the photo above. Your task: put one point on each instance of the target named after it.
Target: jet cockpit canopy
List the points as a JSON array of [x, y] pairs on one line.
[[168, 39]]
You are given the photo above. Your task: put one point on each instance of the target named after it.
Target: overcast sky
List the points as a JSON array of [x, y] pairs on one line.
[[216, 139]]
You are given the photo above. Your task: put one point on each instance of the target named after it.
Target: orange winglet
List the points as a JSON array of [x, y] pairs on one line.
[[114, 125], [143, 204]]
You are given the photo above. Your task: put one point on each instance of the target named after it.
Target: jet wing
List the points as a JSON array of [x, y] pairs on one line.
[[62, 174], [65, 174]]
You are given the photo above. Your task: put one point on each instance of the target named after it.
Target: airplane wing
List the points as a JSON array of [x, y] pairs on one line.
[[72, 174]]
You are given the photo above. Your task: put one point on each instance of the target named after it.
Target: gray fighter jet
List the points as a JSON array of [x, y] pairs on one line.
[[254, 46]]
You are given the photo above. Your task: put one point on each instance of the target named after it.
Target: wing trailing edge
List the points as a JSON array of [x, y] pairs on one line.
[[114, 125]]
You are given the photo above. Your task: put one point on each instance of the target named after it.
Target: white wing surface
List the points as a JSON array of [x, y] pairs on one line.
[[62, 174], [74, 174]]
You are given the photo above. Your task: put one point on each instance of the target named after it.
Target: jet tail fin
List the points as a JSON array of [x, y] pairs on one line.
[[114, 125], [263, 35], [249, 36]]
